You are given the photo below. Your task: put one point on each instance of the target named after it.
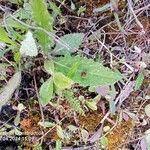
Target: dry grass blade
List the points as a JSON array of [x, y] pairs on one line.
[[9, 89]]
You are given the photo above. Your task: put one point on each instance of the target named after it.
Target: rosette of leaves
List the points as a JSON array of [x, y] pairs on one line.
[[74, 69]]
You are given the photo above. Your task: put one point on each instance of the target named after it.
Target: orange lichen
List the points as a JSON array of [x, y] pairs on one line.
[[116, 137], [30, 124], [31, 130], [119, 134], [90, 121]]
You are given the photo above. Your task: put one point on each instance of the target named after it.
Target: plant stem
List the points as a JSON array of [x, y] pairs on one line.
[[136, 19]]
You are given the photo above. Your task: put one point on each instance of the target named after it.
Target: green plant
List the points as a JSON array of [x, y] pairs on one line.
[[16, 1], [64, 71], [46, 92], [55, 84], [58, 145], [139, 81], [74, 103], [66, 88], [28, 46], [4, 37], [85, 71], [73, 41], [43, 19]]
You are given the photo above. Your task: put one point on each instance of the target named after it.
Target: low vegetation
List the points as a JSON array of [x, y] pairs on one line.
[[75, 74]]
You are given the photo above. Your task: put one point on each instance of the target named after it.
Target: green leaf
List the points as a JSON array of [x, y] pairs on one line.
[[58, 145], [17, 119], [87, 72], [24, 13], [56, 10], [15, 1], [61, 81], [81, 10], [72, 128], [49, 66], [74, 103], [46, 92], [112, 106], [73, 40], [4, 37], [45, 41], [59, 131], [16, 36], [43, 19], [73, 69], [37, 147], [91, 104], [139, 81], [21, 13], [104, 142], [47, 124], [17, 57], [41, 15], [1, 53], [17, 132], [28, 46], [14, 24]]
